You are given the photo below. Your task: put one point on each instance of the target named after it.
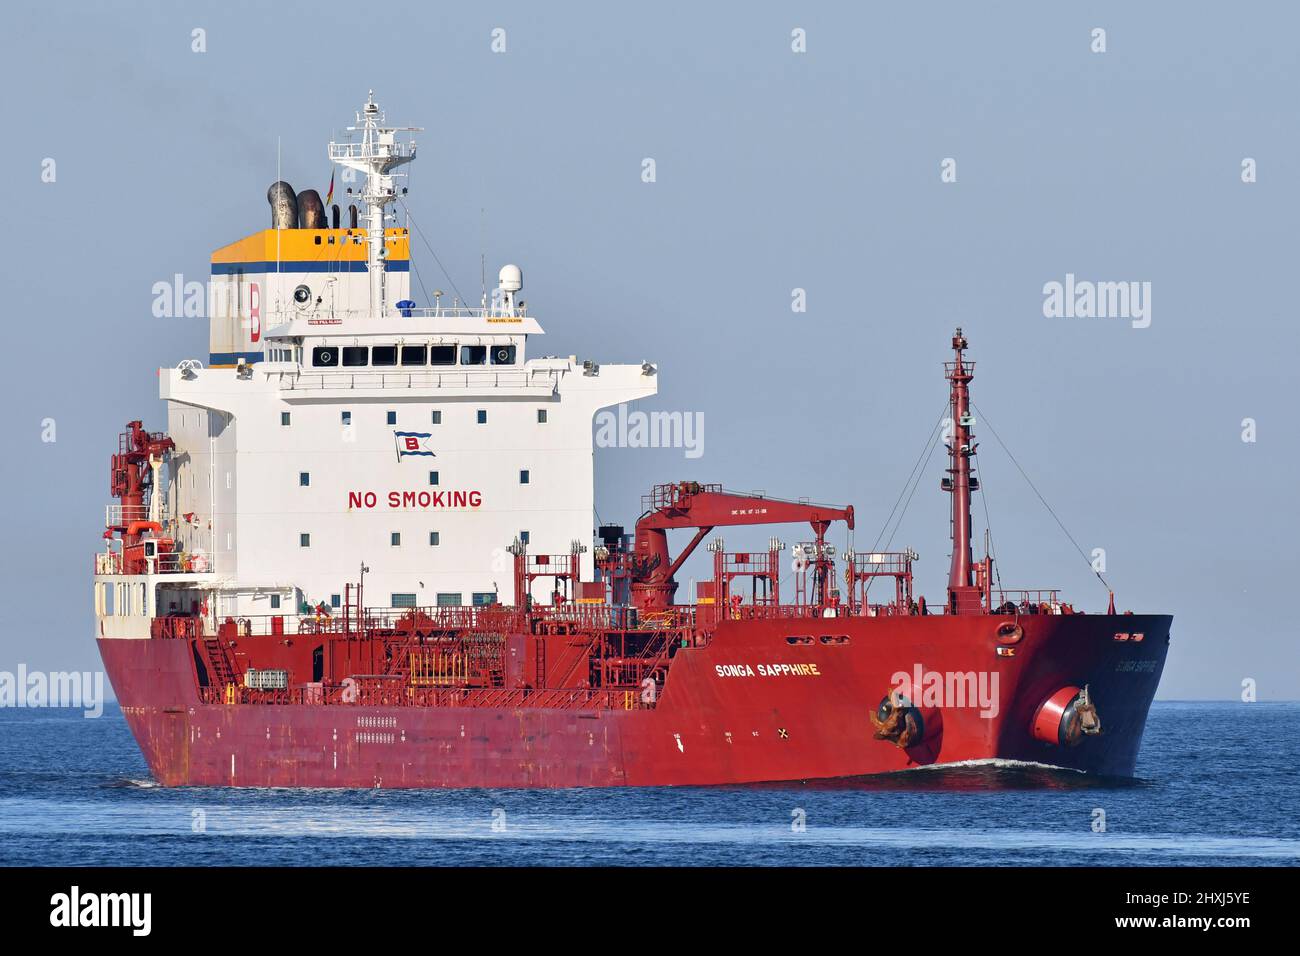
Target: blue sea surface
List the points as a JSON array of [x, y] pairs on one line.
[[1217, 783]]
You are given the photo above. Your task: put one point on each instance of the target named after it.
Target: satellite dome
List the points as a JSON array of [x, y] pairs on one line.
[[511, 278]]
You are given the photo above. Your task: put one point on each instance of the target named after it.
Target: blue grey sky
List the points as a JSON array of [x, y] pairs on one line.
[[775, 170]]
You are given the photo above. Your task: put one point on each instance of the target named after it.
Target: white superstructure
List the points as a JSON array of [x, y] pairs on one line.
[[338, 422]]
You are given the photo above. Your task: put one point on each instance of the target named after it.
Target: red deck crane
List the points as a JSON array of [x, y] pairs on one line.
[[689, 504]]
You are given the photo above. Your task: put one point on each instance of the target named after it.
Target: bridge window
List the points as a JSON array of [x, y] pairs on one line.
[[442, 355], [414, 354], [503, 355], [449, 599], [403, 600], [325, 356], [354, 355], [484, 598], [383, 355], [473, 355]]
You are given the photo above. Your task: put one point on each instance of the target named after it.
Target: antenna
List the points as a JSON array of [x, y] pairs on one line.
[[377, 154], [278, 178]]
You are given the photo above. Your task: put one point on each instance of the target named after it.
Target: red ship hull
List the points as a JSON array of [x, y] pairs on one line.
[[748, 707]]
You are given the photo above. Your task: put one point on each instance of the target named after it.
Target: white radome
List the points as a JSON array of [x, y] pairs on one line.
[[511, 278]]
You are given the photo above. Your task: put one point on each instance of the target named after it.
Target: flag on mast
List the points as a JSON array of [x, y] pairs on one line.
[[329, 196]]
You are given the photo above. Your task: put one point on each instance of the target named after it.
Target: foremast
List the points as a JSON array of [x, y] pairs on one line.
[[965, 596]]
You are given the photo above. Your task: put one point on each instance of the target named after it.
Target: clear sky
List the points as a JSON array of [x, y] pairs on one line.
[[775, 171]]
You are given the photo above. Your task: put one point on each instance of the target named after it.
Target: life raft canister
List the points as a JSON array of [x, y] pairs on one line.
[[1066, 717], [897, 720]]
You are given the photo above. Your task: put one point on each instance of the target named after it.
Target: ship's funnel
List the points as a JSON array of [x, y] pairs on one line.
[[311, 211], [284, 205]]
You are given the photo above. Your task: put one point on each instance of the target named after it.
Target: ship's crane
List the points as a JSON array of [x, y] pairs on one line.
[[689, 504], [133, 475]]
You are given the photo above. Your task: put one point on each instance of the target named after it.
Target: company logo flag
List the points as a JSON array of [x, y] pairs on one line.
[[413, 443]]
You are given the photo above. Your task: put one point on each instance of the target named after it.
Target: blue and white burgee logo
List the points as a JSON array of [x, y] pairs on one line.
[[413, 443]]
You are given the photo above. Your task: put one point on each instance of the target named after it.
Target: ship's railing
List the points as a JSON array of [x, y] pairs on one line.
[[1027, 597], [593, 616], [496, 617], [184, 562], [315, 379], [284, 316], [502, 618], [396, 691], [764, 612], [669, 495], [176, 628], [118, 515]]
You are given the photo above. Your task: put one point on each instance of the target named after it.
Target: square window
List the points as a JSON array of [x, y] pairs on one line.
[[482, 416], [523, 476], [449, 599], [523, 537], [355, 355], [433, 477], [336, 600], [275, 602], [304, 479], [304, 540], [414, 354], [442, 355], [436, 417], [473, 355], [347, 418], [383, 355], [541, 416], [395, 538], [484, 598], [403, 600], [284, 418], [392, 418], [434, 539]]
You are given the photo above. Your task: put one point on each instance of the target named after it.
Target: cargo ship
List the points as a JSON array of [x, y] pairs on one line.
[[361, 555]]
